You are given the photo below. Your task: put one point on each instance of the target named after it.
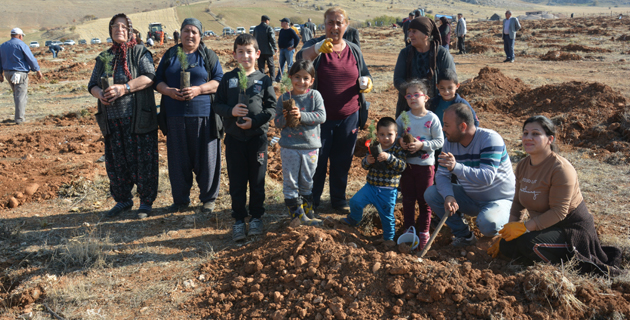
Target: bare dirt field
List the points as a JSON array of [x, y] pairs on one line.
[[60, 258]]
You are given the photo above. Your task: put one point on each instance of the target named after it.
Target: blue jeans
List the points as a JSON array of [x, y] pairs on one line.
[[491, 215], [54, 52], [508, 47], [383, 199], [285, 56]]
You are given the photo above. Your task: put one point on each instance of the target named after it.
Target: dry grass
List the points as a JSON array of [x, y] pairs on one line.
[[85, 250]]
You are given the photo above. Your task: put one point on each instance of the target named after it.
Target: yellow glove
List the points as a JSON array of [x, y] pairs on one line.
[[367, 87], [494, 250], [513, 230], [324, 46]]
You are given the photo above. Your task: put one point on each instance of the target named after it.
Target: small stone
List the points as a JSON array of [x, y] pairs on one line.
[[202, 277], [462, 253], [470, 255], [277, 297], [13, 202], [376, 267], [396, 310], [300, 261], [19, 195], [317, 300], [189, 284], [295, 223]]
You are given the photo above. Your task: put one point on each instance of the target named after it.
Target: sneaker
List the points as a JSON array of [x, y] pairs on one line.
[[175, 207], [238, 232], [463, 241], [512, 61], [256, 227], [143, 213], [208, 207]]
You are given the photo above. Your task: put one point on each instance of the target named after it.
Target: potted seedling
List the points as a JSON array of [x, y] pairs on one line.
[[242, 85], [107, 80], [184, 79], [407, 137], [285, 85], [374, 147]]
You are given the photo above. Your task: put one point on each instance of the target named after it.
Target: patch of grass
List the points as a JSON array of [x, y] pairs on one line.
[[87, 250]]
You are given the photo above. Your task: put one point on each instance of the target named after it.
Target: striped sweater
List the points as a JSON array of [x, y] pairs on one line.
[[386, 173], [483, 168]]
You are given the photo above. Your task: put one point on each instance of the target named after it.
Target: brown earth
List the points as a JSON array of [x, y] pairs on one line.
[[578, 47], [559, 56], [490, 80]]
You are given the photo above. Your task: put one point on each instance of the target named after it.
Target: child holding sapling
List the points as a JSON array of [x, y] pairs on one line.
[[246, 142], [383, 179], [421, 133], [299, 113]]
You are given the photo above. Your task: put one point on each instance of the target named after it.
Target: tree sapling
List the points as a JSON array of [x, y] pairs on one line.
[[242, 85], [286, 86], [184, 80], [407, 137], [374, 147], [107, 59]]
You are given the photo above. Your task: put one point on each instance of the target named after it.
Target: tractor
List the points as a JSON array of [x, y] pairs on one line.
[[155, 31]]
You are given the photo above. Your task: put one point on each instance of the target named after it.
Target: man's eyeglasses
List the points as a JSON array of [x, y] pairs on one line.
[[415, 95]]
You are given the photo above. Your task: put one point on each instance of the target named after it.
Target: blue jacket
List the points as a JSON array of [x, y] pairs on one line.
[[16, 56], [435, 102]]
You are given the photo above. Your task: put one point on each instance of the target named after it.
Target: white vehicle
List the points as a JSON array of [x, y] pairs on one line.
[[227, 31], [251, 29], [69, 43], [277, 29], [209, 33], [34, 44], [297, 26], [95, 41], [240, 30]]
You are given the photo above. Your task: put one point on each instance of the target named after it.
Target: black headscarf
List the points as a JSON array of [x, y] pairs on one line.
[[428, 27]]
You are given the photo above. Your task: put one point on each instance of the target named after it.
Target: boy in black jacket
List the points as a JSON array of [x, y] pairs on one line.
[[246, 140]]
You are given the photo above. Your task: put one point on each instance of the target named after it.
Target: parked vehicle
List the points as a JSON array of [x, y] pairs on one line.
[[277, 29], [109, 40], [34, 44], [47, 43], [57, 43], [240, 30], [209, 33], [297, 26], [95, 41], [251, 29], [82, 41], [69, 43], [156, 30], [227, 31]]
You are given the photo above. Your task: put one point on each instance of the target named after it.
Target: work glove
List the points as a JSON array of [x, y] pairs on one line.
[[494, 249], [324, 46], [513, 230], [16, 78], [365, 84]]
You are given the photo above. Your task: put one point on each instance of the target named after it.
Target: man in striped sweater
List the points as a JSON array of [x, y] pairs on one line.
[[479, 160]]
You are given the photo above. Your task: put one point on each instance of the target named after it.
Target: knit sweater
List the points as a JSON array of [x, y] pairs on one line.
[[426, 129], [312, 113], [483, 168], [386, 173]]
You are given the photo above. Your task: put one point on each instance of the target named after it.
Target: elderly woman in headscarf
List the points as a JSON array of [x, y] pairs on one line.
[[425, 59], [345, 81], [127, 118], [193, 129], [445, 32]]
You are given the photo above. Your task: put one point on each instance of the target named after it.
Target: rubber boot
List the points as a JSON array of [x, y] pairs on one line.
[[308, 206], [298, 212]]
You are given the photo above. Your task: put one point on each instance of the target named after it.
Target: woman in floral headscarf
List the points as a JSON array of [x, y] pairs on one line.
[[128, 119]]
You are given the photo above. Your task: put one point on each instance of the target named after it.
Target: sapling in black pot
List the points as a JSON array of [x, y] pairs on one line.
[[242, 85], [374, 147], [285, 86], [184, 78], [407, 137], [107, 80]]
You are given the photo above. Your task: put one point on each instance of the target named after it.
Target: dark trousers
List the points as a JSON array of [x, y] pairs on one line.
[[267, 58], [508, 47], [548, 245], [461, 46], [191, 150], [414, 182], [131, 159], [247, 162], [338, 140]]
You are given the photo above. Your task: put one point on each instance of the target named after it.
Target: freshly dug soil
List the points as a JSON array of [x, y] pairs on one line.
[[559, 56], [475, 47], [311, 273], [491, 81], [578, 47], [589, 115]]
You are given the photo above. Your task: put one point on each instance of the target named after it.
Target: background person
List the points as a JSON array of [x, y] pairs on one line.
[[16, 61], [510, 26], [424, 59], [445, 32], [287, 41], [266, 38], [194, 130], [55, 49], [559, 225], [352, 35], [461, 31], [127, 118], [341, 66], [405, 26]]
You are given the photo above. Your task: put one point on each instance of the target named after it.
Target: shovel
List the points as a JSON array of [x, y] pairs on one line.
[[435, 233]]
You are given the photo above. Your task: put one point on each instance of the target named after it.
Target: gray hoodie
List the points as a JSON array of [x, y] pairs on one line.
[[307, 134]]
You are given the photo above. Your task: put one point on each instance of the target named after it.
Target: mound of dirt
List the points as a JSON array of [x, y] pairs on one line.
[[559, 56], [311, 273], [475, 47], [490, 81], [589, 115], [578, 47]]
